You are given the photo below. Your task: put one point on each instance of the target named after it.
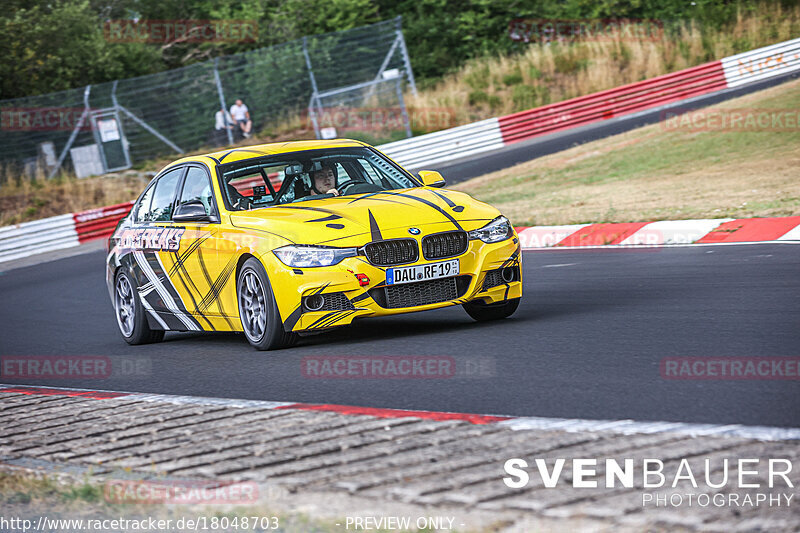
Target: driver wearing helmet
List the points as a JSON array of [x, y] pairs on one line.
[[323, 181]]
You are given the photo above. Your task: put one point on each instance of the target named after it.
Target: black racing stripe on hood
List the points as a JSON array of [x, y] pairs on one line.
[[429, 204], [373, 195], [254, 227], [447, 200], [373, 227], [317, 209], [455, 207], [328, 218]]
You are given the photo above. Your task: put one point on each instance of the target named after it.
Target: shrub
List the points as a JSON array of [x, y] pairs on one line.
[[478, 97], [514, 78], [524, 97]]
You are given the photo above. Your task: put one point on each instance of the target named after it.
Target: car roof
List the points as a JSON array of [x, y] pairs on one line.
[[232, 155]]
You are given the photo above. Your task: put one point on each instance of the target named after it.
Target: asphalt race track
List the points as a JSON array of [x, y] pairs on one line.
[[585, 343]]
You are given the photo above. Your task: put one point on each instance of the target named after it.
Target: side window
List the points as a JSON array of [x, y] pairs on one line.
[[197, 187], [164, 193], [341, 173], [370, 171], [143, 208]]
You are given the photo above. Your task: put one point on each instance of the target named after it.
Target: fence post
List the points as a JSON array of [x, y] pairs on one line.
[[314, 96], [74, 133], [398, 86], [404, 52], [125, 144], [149, 128], [222, 100]]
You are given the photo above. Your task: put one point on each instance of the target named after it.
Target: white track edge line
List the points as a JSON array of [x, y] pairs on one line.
[[570, 425], [169, 398], [630, 427]]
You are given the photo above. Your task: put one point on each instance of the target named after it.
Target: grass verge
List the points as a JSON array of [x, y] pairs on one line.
[[70, 500]]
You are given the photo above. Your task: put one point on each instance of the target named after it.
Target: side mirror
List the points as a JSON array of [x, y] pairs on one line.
[[431, 178], [191, 211]]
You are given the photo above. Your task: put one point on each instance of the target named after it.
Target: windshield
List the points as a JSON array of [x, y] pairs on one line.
[[309, 175]]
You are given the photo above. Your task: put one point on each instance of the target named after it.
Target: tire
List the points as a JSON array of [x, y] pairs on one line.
[[258, 310], [482, 312], [129, 312]]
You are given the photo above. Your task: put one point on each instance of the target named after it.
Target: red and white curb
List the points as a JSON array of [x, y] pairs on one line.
[[624, 427], [663, 233]]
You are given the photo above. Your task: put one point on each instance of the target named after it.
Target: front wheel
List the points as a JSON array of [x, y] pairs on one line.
[[483, 312], [258, 311], [130, 313]]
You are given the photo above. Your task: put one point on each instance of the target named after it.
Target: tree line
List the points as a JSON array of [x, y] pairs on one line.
[[53, 45]]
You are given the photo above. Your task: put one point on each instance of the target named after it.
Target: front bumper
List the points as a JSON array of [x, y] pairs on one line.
[[293, 285]]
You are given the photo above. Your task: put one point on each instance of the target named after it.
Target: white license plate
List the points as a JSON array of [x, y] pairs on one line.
[[445, 269]]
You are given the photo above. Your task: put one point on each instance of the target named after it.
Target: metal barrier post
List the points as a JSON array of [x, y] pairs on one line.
[[74, 133], [222, 100], [404, 52], [147, 126], [125, 146], [399, 88], [314, 96]]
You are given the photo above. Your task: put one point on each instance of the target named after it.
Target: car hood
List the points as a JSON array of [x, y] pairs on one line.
[[373, 216]]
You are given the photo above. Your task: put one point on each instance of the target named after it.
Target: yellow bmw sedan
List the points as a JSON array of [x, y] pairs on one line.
[[280, 239]]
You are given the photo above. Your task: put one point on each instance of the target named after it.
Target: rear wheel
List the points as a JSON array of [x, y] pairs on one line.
[[258, 310], [483, 312], [130, 313]]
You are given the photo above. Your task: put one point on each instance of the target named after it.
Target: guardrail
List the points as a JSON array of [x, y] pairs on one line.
[[99, 223], [65, 231], [764, 63], [38, 236], [612, 103], [486, 135], [62, 231], [446, 145]]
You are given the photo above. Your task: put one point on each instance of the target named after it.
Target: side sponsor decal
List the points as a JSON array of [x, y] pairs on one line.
[[155, 280], [152, 239]]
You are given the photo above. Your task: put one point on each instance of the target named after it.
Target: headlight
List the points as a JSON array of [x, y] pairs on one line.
[[495, 231], [312, 256]]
